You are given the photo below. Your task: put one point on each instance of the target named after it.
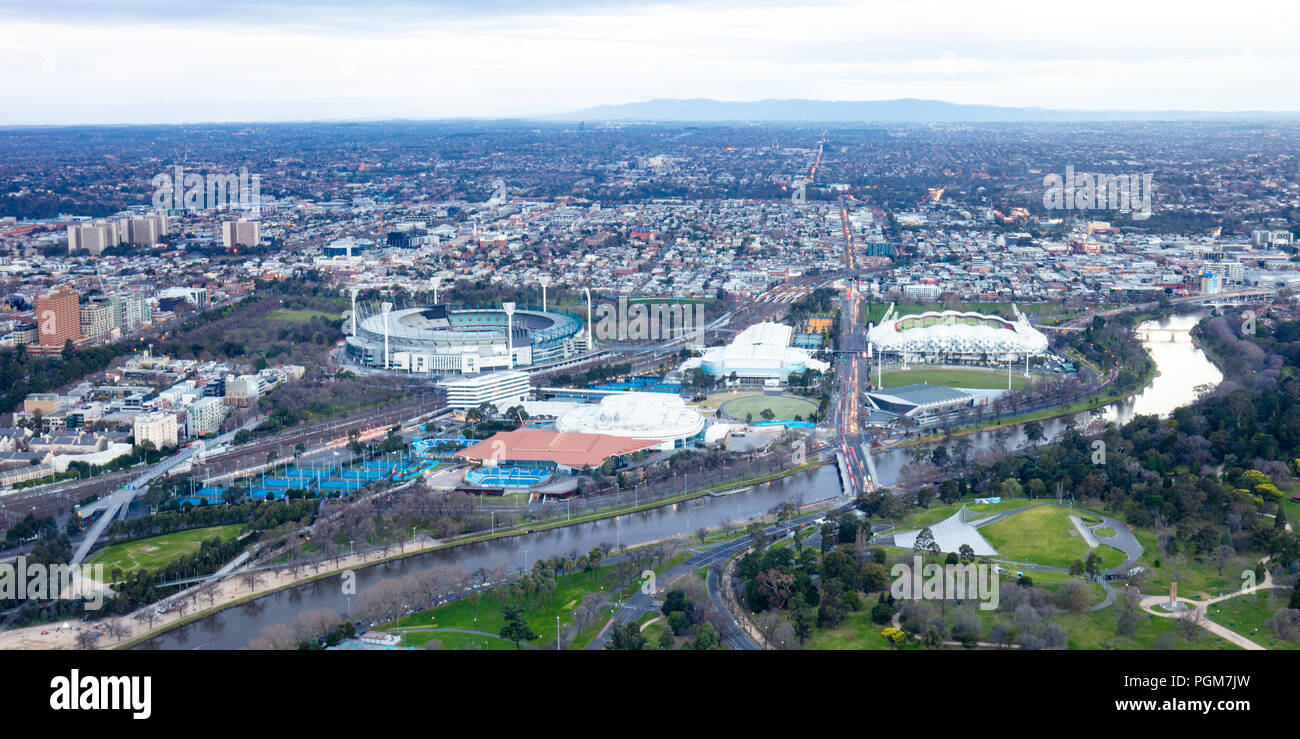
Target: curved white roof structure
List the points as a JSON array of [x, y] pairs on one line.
[[951, 533], [762, 350], [957, 332], [658, 416]]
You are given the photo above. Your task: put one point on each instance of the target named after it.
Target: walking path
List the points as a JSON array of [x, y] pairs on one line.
[[1149, 602], [1084, 532]]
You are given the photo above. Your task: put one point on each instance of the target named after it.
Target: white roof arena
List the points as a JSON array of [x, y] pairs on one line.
[[762, 350], [957, 332], [951, 533], [659, 416]]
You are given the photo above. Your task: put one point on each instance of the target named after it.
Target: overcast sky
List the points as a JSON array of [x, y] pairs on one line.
[[147, 61]]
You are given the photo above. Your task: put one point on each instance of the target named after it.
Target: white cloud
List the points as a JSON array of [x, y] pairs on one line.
[[405, 61]]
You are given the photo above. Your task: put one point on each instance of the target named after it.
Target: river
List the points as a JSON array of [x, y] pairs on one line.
[[1181, 366]]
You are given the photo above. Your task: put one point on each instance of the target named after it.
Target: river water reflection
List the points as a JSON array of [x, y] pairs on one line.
[[1182, 368]]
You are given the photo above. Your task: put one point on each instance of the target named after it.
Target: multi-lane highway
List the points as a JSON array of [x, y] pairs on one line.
[[852, 368]]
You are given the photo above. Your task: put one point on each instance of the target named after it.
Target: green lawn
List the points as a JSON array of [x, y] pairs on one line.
[[298, 316], [1096, 630], [972, 378], [461, 613], [1103, 532], [783, 407], [1043, 535], [1197, 580], [455, 640], [856, 632], [1110, 557], [1247, 614], [156, 551], [570, 588], [936, 513]]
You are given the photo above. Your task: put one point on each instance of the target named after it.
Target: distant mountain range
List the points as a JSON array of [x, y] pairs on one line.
[[904, 110]]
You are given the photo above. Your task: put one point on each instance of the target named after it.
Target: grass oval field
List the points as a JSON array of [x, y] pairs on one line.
[[156, 551], [783, 407], [973, 378]]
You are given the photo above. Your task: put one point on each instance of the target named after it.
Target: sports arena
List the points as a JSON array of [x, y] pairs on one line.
[[956, 336], [659, 417], [438, 340]]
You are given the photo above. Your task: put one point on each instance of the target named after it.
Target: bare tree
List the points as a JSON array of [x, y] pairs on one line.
[[146, 616], [1219, 557], [1191, 621], [1286, 622], [275, 636], [86, 639], [117, 628], [1177, 565]]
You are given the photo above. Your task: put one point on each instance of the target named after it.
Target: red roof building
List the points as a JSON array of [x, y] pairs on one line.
[[575, 451]]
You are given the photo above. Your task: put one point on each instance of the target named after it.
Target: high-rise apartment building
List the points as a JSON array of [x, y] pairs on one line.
[[94, 237], [58, 319], [241, 233], [97, 321], [145, 230]]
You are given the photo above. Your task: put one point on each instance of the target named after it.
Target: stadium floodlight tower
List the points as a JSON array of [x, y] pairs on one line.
[[544, 280], [354, 310], [591, 344], [387, 308], [509, 308], [437, 280]]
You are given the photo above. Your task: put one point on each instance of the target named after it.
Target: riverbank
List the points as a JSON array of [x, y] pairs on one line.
[[232, 592], [1149, 375]]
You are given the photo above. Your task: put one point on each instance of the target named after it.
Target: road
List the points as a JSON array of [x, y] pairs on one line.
[[48, 500], [121, 498], [852, 371], [732, 635]]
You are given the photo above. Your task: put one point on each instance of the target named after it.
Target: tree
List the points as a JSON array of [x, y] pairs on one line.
[[706, 637], [1219, 557], [1128, 618], [1034, 432], [804, 619], [678, 622], [1191, 622], [516, 629], [1286, 622], [1093, 564], [894, 636], [966, 553], [627, 637], [1177, 564], [1074, 596], [882, 611], [925, 541], [666, 640], [86, 639]]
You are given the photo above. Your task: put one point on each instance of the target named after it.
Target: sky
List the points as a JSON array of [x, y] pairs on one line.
[[188, 61]]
